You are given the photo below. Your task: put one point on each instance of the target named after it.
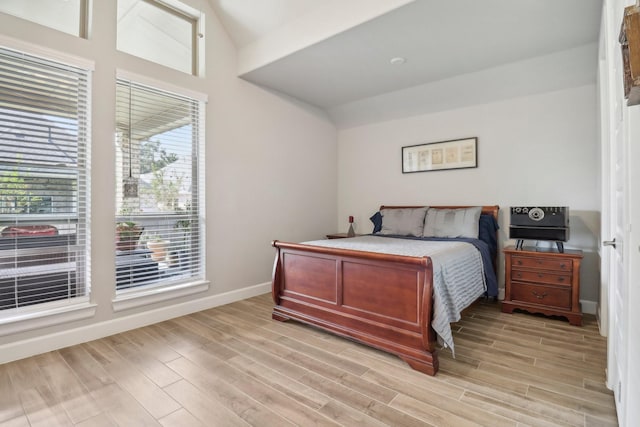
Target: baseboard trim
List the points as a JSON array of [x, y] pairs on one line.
[[589, 307], [26, 348]]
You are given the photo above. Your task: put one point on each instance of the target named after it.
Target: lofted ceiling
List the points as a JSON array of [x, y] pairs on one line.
[[248, 20], [438, 39]]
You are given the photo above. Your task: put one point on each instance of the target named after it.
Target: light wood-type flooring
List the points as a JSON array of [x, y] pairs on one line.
[[234, 366]]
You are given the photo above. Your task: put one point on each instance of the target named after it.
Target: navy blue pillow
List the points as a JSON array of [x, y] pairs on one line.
[[376, 219], [487, 232]]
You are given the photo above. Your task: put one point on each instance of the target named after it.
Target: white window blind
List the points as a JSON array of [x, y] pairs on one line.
[[44, 191], [158, 221]]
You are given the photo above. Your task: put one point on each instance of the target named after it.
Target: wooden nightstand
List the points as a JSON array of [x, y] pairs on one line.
[[543, 281], [339, 236]]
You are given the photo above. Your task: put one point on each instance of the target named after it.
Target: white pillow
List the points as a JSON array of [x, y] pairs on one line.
[[464, 222], [403, 222]]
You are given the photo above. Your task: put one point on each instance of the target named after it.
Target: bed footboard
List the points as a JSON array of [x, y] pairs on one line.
[[384, 301]]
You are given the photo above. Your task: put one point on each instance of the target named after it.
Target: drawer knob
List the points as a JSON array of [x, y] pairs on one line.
[[563, 266], [518, 275], [561, 279], [539, 296], [519, 262]]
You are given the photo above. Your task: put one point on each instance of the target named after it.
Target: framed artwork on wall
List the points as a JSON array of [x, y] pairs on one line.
[[432, 156]]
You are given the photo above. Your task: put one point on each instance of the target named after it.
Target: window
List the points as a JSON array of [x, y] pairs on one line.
[[162, 32], [69, 16], [44, 200], [158, 223]]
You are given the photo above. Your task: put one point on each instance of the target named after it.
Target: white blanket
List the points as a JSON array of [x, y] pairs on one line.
[[458, 276]]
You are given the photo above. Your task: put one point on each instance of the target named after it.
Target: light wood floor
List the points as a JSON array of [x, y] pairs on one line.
[[234, 366]]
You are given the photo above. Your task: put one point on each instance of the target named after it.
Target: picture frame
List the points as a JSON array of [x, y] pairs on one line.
[[442, 155]]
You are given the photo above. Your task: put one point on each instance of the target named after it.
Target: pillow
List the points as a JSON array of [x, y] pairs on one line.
[[463, 222], [488, 228], [403, 222], [376, 219]]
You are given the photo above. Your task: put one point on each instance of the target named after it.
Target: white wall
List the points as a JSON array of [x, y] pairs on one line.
[[270, 172], [532, 150]]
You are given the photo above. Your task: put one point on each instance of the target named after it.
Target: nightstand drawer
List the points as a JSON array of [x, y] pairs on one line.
[[541, 277], [542, 263], [541, 295]]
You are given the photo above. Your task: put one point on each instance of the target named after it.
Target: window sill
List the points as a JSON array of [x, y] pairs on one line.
[[137, 298], [46, 316]]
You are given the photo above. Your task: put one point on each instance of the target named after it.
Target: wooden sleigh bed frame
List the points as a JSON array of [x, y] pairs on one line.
[[331, 289]]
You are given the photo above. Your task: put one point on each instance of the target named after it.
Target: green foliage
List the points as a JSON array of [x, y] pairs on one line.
[[166, 189], [128, 230], [165, 182], [154, 158], [15, 194]]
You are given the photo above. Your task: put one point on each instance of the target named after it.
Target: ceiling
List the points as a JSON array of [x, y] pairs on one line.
[[438, 39], [248, 20]]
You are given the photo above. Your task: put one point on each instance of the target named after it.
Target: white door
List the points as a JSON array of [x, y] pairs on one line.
[[617, 298], [615, 136]]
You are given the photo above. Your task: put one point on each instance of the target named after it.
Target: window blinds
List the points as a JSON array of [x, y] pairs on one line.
[[158, 227], [44, 199]]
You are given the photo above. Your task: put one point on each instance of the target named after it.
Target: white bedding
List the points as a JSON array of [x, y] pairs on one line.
[[458, 275]]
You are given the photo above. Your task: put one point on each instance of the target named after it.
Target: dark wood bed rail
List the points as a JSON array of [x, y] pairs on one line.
[[332, 289]]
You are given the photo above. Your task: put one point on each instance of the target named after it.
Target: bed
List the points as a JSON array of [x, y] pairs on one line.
[[384, 300]]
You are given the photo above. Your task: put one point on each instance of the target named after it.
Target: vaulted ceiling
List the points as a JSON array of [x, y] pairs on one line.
[[332, 53]]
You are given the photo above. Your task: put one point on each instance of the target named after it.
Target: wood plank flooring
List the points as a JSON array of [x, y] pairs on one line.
[[234, 366]]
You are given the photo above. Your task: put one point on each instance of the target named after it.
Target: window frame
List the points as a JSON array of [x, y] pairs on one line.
[[194, 29], [191, 16], [162, 290], [83, 21], [49, 313]]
